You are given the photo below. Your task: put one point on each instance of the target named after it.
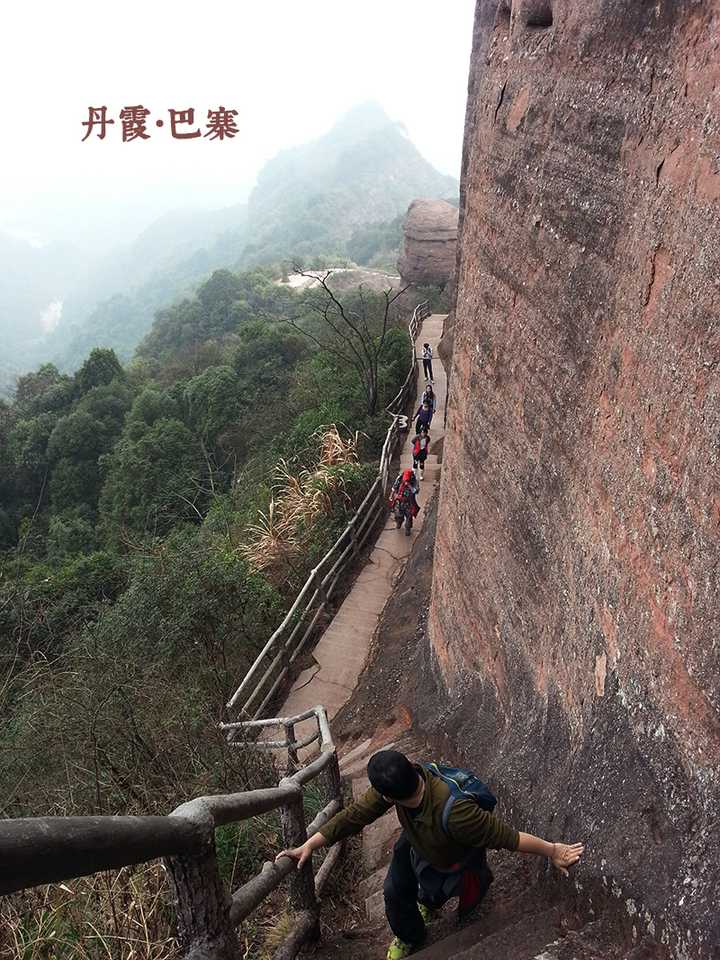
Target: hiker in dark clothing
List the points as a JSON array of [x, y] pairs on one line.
[[424, 417], [420, 450], [427, 361], [441, 852], [429, 397]]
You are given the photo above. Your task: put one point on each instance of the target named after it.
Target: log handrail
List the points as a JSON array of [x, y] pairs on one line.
[[272, 665], [40, 850]]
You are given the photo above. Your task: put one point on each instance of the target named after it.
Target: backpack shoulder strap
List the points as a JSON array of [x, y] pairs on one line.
[[447, 809], [435, 771]]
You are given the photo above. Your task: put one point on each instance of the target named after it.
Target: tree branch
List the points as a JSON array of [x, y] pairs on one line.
[[362, 336], [323, 346]]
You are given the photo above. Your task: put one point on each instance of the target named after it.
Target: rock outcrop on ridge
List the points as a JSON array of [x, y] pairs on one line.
[[430, 231]]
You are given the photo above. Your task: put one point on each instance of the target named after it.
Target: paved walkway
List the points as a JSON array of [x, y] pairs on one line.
[[342, 651]]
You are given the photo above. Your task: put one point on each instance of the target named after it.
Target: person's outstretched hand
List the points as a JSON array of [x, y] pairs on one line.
[[565, 855], [301, 854]]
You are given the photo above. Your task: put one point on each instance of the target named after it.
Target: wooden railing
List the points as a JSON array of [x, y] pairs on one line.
[[43, 850], [275, 661]]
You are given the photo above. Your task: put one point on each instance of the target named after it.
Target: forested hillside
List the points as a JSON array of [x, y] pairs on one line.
[[167, 261], [30, 279], [134, 502]]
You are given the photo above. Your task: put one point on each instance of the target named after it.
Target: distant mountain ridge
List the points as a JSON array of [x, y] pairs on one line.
[[308, 200], [166, 261]]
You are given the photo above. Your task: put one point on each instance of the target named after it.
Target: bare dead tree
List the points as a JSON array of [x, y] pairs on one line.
[[357, 334]]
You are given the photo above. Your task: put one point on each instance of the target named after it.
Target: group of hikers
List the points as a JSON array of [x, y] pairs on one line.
[[403, 496], [446, 814]]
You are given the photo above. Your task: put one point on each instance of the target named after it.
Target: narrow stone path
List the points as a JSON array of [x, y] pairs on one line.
[[526, 915], [342, 651]]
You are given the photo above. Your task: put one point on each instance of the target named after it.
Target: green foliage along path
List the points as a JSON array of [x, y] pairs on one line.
[[128, 498]]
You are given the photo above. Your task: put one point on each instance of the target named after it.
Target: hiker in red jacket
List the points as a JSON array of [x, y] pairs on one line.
[[405, 483], [441, 851]]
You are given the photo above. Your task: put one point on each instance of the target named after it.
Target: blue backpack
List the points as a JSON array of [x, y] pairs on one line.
[[464, 785]]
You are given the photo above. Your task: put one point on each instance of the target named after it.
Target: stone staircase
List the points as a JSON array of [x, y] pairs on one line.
[[523, 917], [342, 652]]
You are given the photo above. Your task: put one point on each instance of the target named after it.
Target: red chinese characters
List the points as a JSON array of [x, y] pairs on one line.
[[134, 120]]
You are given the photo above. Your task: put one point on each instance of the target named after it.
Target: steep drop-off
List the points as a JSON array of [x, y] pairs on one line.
[[575, 611]]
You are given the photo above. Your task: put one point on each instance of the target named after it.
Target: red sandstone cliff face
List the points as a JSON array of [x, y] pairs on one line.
[[576, 615]]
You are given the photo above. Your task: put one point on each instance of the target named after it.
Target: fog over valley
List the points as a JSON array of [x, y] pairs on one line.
[[341, 123]]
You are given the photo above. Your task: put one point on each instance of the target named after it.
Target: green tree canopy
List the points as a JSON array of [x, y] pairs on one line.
[[80, 439], [213, 401], [102, 366], [43, 391], [154, 479]]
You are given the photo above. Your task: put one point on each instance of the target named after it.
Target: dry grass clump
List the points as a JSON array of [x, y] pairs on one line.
[[274, 931], [280, 537], [124, 915]]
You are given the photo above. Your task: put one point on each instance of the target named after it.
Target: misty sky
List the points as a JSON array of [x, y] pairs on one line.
[[289, 68]]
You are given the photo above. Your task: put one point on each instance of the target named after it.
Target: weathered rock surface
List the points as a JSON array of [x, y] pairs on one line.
[[575, 612], [430, 231]]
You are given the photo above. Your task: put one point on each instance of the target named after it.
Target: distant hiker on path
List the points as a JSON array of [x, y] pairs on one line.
[[429, 397], [403, 500], [424, 417], [446, 825], [427, 361], [420, 450]]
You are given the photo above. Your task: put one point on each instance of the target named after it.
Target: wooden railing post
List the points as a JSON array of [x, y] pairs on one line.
[[292, 751], [354, 539], [320, 588], [332, 779], [203, 906], [302, 882]]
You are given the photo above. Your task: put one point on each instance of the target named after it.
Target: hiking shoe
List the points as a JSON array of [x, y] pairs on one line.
[[398, 949], [426, 913]]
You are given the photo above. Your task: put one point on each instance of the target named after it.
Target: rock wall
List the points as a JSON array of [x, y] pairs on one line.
[[575, 614], [430, 244], [482, 32]]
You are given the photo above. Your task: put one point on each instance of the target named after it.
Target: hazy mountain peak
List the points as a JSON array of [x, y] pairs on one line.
[[362, 118], [360, 175]]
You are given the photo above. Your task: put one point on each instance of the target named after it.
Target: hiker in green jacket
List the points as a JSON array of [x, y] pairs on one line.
[[431, 863]]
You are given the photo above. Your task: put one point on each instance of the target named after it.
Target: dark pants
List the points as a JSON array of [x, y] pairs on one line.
[[410, 880], [427, 369], [422, 423]]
